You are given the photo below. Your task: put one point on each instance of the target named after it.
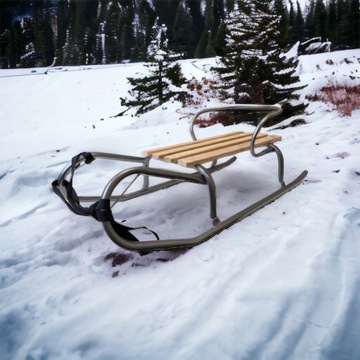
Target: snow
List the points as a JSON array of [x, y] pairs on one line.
[[281, 284]]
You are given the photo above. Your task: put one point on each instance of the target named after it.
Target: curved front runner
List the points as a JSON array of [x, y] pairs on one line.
[[170, 244]]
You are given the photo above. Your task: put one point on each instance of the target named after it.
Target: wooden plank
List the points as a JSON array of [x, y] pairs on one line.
[[228, 151], [191, 144], [198, 147], [205, 148]]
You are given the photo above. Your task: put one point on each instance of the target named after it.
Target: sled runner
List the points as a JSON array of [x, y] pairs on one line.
[[199, 155]]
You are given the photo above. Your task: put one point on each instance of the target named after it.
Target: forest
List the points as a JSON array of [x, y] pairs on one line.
[[78, 32]]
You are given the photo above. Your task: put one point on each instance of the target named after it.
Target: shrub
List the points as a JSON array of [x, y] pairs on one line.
[[200, 92], [345, 98]]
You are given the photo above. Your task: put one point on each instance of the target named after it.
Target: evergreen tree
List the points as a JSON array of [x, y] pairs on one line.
[[292, 16], [62, 25], [316, 20], [355, 23], [212, 11], [229, 5], [78, 27], [166, 11], [198, 26], [218, 29], [281, 9], [17, 46], [115, 47], [320, 17], [44, 42], [128, 48], [310, 20], [183, 31], [349, 23], [254, 69], [299, 24], [296, 23], [69, 50], [342, 24], [332, 20], [142, 29], [5, 49], [164, 79], [219, 42], [103, 31], [79, 38]]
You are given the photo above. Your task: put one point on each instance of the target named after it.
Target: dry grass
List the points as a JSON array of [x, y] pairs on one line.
[[344, 98]]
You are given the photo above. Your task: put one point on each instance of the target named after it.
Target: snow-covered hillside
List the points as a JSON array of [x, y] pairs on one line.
[[282, 284]]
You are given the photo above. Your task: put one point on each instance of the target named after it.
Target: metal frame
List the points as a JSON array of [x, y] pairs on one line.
[[201, 175]]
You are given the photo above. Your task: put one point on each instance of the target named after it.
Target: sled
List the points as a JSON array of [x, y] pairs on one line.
[[201, 156]]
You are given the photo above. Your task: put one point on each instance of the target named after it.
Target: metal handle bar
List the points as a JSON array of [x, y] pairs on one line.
[[273, 110]]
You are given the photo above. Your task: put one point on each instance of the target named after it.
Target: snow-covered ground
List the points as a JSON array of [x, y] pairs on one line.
[[282, 284]]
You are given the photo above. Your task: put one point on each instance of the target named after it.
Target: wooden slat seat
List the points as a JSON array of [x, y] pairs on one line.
[[197, 152]]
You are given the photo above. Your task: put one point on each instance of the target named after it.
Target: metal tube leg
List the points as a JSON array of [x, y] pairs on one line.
[[146, 177], [280, 158], [212, 193]]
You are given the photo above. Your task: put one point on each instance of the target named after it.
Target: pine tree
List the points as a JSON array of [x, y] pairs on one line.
[[342, 24], [78, 27], [320, 16], [211, 13], [198, 26], [296, 23], [113, 27], [44, 43], [142, 29], [183, 31], [166, 11], [164, 79], [332, 20], [348, 28], [218, 29], [299, 24], [17, 45], [128, 47], [316, 20], [219, 42], [292, 17], [281, 9], [254, 69], [103, 31], [310, 20], [355, 23], [62, 25]]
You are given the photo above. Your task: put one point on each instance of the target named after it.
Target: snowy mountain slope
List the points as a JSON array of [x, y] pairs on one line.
[[282, 284]]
